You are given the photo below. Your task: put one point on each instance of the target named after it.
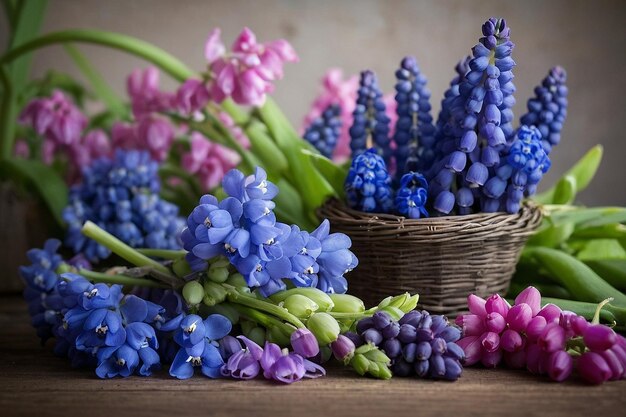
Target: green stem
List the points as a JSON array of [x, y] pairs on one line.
[[165, 61], [162, 253], [93, 231], [355, 316], [8, 116], [596, 316], [120, 279], [262, 318], [235, 297]]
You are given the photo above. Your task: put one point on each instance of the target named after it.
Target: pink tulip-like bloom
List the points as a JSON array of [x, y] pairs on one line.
[[208, 161], [539, 339], [142, 87], [192, 96], [150, 133], [55, 118], [247, 72], [342, 92]]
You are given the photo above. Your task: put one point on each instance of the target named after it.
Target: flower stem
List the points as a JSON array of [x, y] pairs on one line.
[[237, 298], [162, 253], [120, 279], [596, 316], [93, 231], [262, 318]]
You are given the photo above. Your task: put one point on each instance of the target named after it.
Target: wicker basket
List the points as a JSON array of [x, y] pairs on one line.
[[443, 258]]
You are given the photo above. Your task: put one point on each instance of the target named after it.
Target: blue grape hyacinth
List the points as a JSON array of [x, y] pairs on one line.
[[412, 196], [324, 131], [480, 123], [243, 228], [371, 124], [414, 133], [121, 196], [548, 109], [368, 184]]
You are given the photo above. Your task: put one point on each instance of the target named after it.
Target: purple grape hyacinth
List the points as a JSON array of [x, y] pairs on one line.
[[368, 184], [324, 131]]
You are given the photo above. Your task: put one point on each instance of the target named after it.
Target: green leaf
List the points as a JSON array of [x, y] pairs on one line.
[[607, 231], [334, 174], [100, 87], [590, 217], [583, 172], [262, 145], [596, 249], [48, 184], [612, 271], [552, 236], [565, 191]]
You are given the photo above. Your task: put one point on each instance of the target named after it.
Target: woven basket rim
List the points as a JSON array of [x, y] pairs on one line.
[[480, 224]]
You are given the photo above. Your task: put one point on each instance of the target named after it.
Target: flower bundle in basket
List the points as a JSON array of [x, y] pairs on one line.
[[438, 207]]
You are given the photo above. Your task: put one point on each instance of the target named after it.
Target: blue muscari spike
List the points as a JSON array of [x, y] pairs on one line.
[[324, 131], [368, 184], [370, 120], [414, 134], [121, 196], [479, 127], [548, 109]]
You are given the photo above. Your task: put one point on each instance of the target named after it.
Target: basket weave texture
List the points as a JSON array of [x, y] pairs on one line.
[[443, 259]]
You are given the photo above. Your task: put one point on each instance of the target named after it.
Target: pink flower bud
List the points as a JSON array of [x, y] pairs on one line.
[[532, 297], [535, 328], [518, 317], [511, 341], [579, 325], [470, 324], [552, 338], [559, 365], [615, 364], [599, 337], [304, 343], [491, 359], [566, 322], [515, 360], [534, 358], [490, 342], [476, 305], [343, 348], [550, 312], [192, 96], [213, 47], [497, 304], [471, 345], [495, 322], [593, 368]]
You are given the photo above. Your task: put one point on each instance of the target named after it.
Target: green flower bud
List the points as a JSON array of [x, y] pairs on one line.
[[237, 280], [395, 313], [405, 302], [181, 267], [360, 364], [382, 372], [346, 303], [276, 335], [63, 268], [218, 274], [363, 349], [322, 299], [345, 324], [213, 293], [300, 306], [257, 335], [193, 293], [220, 262], [377, 355], [324, 327]]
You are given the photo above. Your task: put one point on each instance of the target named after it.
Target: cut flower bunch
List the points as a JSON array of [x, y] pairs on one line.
[[190, 236]]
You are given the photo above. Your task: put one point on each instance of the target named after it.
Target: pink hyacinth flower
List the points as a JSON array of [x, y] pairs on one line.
[[142, 87], [532, 297], [559, 365], [208, 161], [156, 136], [471, 345], [192, 96]]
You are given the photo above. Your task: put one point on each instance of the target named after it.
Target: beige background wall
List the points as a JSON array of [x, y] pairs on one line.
[[587, 37]]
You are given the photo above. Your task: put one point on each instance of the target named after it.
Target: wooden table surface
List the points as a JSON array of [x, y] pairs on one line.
[[35, 382]]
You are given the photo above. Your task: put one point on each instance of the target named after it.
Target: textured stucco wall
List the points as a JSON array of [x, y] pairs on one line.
[[586, 37]]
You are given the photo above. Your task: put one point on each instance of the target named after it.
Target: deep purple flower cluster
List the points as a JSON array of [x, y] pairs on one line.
[[480, 123], [324, 131], [518, 175], [539, 339], [548, 109], [418, 344], [414, 133], [370, 121], [121, 196], [279, 365], [243, 228], [368, 184]]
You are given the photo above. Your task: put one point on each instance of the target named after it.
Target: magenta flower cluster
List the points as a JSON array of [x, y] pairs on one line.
[[245, 73], [546, 341], [62, 127]]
